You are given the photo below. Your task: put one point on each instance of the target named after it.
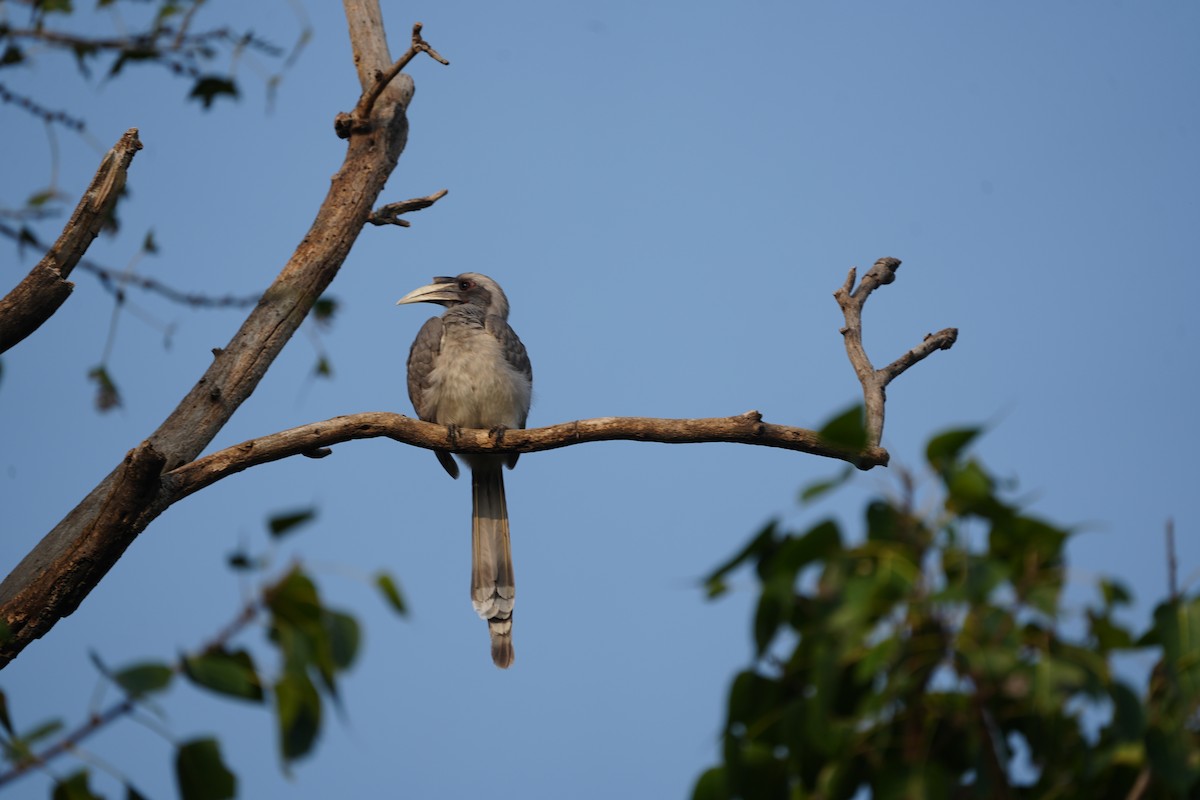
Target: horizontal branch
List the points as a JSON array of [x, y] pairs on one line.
[[309, 440], [46, 288]]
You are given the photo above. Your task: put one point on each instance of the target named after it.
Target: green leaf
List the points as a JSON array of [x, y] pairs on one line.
[[846, 430], [133, 794], [969, 489], [1177, 625], [1167, 748], [26, 237], [12, 55], [944, 450], [1114, 593], [55, 6], [324, 309], [885, 522], [796, 552], [149, 244], [391, 592], [713, 785], [43, 731], [819, 489], [210, 87], [201, 772], [1108, 634], [298, 711], [40, 199], [108, 396], [142, 679], [760, 544], [282, 524], [345, 637], [773, 608], [4, 718], [166, 11], [241, 560], [323, 369], [1129, 716], [74, 787], [229, 673], [294, 600]]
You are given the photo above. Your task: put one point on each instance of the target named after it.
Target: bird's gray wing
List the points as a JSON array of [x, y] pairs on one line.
[[516, 356], [422, 357]]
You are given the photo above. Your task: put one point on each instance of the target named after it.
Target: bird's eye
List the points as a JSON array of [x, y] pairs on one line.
[[464, 285]]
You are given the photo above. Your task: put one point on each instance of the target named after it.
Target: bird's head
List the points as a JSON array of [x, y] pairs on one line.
[[469, 288]]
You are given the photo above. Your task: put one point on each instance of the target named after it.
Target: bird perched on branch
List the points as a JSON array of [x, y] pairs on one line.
[[468, 369]]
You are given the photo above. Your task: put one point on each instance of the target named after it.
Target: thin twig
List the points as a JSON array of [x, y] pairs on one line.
[[390, 214], [1140, 785], [127, 705], [114, 280], [358, 119], [1172, 564]]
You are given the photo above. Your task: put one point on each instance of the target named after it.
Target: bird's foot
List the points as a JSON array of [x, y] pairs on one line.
[[497, 432], [452, 434]]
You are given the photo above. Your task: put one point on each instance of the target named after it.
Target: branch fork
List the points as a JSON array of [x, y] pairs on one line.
[[359, 120], [874, 381]]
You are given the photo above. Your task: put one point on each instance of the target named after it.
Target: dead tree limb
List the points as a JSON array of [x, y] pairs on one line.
[[874, 381], [46, 288], [235, 371]]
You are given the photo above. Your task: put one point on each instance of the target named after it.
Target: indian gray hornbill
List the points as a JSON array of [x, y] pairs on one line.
[[468, 369]]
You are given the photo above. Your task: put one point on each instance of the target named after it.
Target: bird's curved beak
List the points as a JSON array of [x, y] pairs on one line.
[[440, 292]]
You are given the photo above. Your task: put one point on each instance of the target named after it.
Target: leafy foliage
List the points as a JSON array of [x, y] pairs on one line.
[[315, 645], [931, 657]]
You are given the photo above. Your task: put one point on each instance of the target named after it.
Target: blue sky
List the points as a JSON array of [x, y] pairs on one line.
[[669, 193]]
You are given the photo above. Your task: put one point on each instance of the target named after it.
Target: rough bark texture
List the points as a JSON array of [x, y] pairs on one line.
[[35, 299], [66, 565]]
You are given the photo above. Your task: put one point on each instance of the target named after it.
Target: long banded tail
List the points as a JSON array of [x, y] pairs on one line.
[[492, 586]]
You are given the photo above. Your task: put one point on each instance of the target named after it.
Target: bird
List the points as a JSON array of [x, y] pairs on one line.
[[468, 369]]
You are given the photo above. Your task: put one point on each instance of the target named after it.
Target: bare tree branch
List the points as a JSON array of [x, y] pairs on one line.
[[46, 288], [308, 439], [94, 532], [874, 381], [357, 120], [390, 214]]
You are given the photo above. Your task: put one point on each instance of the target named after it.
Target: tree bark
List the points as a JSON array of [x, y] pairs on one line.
[[67, 564], [35, 299]]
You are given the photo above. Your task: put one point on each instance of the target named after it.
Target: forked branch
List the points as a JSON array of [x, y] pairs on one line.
[[358, 120], [874, 381]]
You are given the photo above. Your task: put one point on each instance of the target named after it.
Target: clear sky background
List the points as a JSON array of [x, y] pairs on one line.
[[669, 193]]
